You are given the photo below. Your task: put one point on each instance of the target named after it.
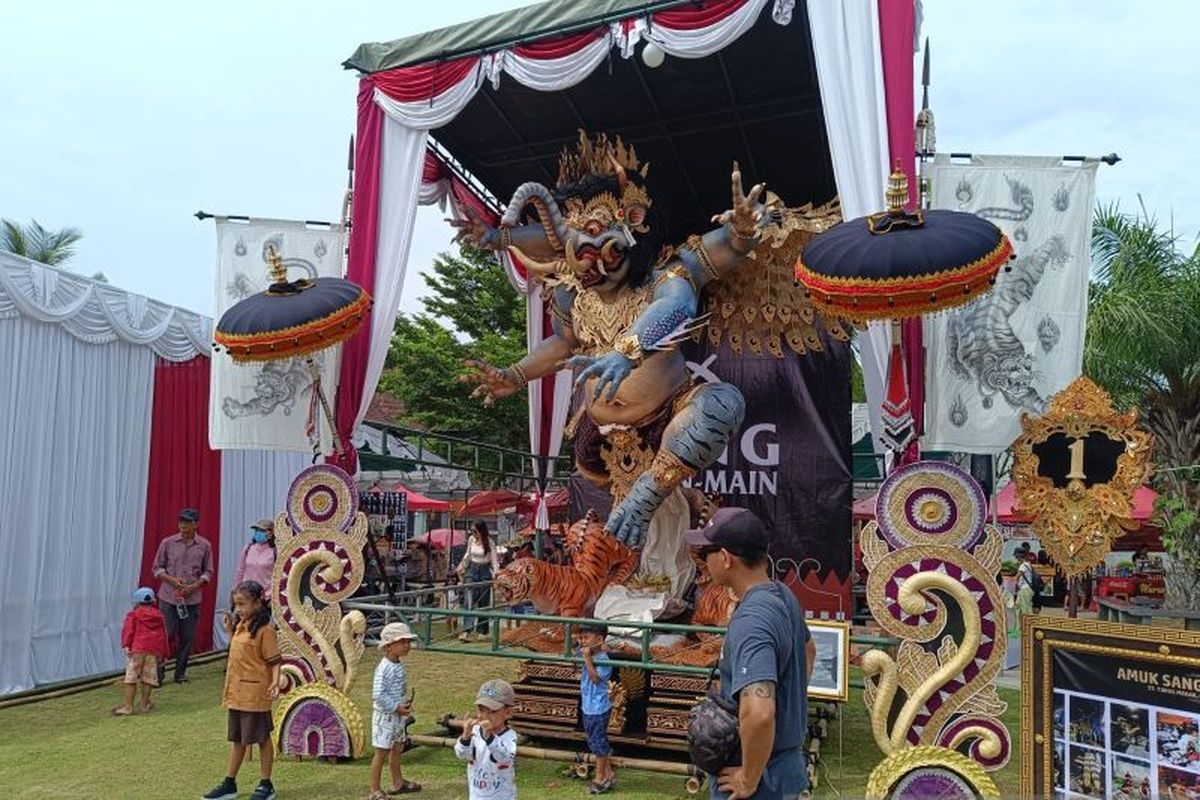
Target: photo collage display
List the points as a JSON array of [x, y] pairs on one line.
[[1107, 748]]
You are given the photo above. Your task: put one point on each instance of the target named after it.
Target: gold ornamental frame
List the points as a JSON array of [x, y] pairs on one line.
[[1077, 522], [1140, 645], [841, 630]]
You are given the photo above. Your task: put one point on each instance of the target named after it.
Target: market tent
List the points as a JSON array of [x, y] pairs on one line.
[[419, 502], [1005, 511], [120, 382]]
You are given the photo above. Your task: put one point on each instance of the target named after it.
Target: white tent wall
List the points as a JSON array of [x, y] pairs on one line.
[[254, 485], [75, 444]]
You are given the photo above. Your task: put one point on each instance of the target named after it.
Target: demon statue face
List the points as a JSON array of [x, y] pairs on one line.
[[593, 216]]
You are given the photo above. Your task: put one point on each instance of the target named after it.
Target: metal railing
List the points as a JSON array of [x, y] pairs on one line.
[[421, 617]]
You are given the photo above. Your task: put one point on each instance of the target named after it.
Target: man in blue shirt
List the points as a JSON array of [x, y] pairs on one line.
[[595, 703], [765, 661]]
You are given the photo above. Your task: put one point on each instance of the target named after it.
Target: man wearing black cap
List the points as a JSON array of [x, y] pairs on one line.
[[765, 661], [183, 566]]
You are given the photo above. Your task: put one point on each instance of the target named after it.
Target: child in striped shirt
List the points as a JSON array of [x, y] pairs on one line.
[[390, 706]]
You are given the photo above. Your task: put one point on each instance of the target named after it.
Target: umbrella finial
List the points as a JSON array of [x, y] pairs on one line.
[[896, 195], [277, 272]]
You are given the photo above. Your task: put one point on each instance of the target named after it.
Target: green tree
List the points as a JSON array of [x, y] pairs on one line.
[[37, 243], [471, 313], [1143, 346]]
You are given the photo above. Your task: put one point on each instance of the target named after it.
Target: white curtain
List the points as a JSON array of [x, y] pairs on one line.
[[254, 486], [845, 38], [97, 313], [560, 402], [401, 163], [75, 450]]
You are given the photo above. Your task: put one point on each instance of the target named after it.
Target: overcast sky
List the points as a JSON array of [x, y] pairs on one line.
[[123, 118]]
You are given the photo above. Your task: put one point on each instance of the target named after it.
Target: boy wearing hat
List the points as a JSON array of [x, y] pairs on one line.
[[184, 566], [765, 661], [390, 706], [144, 640], [489, 746]]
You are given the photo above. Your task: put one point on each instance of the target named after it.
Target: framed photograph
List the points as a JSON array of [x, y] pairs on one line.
[[1110, 710], [830, 676]]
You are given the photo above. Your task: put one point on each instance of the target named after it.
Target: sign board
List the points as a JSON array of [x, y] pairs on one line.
[[1110, 710]]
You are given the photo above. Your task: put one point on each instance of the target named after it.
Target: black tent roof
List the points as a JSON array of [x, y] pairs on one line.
[[756, 101]]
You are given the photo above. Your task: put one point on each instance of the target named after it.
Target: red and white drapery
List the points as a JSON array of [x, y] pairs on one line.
[[398, 108], [105, 427]]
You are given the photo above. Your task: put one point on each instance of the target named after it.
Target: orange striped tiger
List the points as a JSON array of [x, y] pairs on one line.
[[597, 561]]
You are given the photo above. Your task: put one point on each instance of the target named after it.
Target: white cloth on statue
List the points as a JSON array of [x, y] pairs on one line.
[[621, 604], [265, 406], [75, 434], [1014, 348], [664, 552], [845, 37]]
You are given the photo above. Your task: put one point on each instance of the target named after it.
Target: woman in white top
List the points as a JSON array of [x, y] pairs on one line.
[[478, 564]]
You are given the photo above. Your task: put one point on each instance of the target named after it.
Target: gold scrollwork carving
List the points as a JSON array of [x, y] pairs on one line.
[[1077, 522]]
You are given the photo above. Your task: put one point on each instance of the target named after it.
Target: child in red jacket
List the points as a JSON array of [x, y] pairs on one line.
[[144, 639]]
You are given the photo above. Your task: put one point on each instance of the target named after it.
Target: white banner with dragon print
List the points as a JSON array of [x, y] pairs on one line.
[[270, 405], [1012, 349]]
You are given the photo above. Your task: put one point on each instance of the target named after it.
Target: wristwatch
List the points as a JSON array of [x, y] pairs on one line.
[[630, 347]]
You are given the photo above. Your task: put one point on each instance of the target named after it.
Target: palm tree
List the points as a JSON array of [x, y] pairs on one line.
[[1143, 346], [35, 242]]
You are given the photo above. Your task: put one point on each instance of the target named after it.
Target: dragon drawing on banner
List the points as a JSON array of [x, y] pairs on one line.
[[984, 348], [622, 302], [932, 560], [277, 385], [319, 562]]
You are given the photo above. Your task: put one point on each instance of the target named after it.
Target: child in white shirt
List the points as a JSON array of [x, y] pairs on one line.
[[489, 746]]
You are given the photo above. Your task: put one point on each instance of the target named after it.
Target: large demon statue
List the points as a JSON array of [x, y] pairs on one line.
[[620, 309]]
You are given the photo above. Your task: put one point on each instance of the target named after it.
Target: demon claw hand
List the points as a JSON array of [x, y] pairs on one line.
[[611, 369], [473, 229], [491, 383], [630, 520]]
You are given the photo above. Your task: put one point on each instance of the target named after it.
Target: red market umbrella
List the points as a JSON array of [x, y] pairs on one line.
[[441, 538], [491, 502]]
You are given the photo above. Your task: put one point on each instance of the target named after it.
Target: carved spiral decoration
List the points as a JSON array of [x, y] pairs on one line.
[[931, 562]]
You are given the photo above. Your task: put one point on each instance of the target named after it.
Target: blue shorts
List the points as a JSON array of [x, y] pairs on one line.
[[596, 728]]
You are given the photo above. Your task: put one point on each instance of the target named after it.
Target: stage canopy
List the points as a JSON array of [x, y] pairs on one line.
[[814, 99]]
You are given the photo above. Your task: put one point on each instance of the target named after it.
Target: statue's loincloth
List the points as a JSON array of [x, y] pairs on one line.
[[615, 455]]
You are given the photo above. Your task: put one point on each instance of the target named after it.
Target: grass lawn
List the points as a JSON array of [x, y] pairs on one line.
[[71, 747]]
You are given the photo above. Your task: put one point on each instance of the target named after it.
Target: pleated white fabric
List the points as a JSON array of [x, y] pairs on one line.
[[254, 486], [845, 37], [74, 456], [97, 313]]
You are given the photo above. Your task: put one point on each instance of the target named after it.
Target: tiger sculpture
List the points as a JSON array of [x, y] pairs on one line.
[[597, 559]]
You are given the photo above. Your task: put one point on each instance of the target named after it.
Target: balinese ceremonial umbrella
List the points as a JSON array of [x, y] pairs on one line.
[[900, 264], [293, 318]]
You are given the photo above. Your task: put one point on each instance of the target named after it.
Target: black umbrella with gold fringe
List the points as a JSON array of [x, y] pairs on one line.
[[291, 319]]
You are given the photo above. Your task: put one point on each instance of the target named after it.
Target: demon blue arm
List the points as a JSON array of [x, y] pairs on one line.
[[667, 321]]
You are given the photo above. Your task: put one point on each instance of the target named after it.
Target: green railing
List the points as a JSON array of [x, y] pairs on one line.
[[421, 619]]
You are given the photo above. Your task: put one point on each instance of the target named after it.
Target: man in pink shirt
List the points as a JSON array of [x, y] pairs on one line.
[[183, 566]]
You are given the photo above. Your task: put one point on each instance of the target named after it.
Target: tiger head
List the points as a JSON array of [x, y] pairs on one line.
[[514, 583]]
